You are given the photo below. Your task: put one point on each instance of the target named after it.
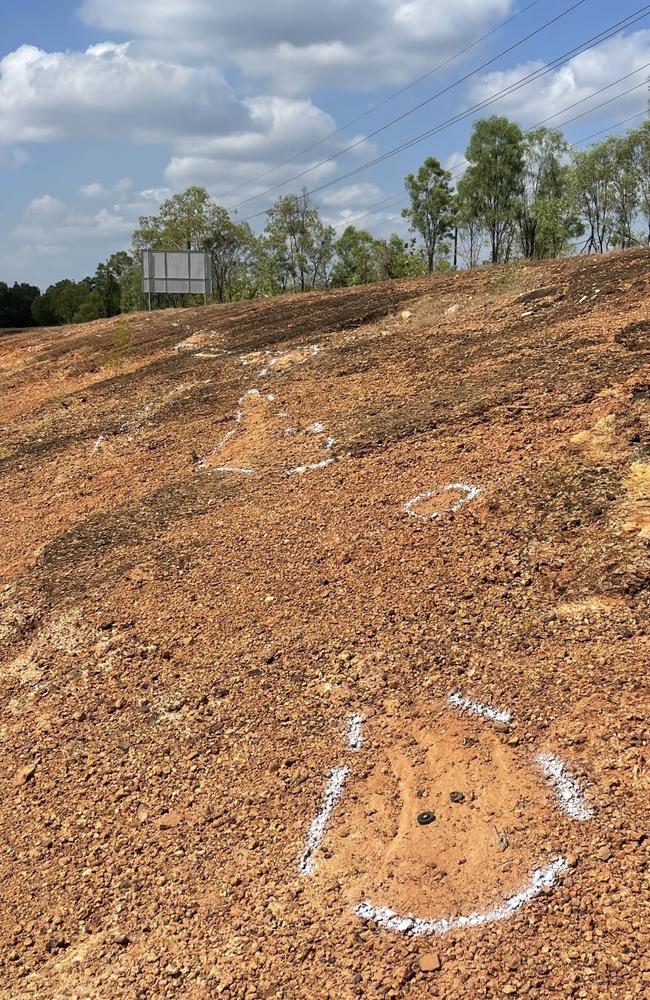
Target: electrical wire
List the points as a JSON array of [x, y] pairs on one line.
[[591, 43], [373, 209], [371, 111], [417, 107]]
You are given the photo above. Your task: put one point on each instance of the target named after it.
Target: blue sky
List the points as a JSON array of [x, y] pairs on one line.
[[108, 106]]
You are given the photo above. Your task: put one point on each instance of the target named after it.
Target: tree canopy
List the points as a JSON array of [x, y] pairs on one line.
[[524, 194]]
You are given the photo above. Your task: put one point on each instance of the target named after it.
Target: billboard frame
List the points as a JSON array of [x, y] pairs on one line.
[[163, 271]]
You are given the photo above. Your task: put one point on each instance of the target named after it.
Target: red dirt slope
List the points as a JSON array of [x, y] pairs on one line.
[[209, 567]]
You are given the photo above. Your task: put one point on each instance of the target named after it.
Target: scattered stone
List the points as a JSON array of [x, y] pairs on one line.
[[56, 944], [406, 314], [23, 775], [457, 796], [430, 962], [603, 854], [169, 820], [538, 293]]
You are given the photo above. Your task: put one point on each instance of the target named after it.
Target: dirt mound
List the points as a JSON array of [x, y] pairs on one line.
[[445, 531], [492, 819]]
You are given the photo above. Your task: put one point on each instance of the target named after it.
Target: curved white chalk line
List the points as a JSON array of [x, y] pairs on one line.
[[332, 793], [315, 428], [201, 461], [136, 423], [471, 493], [570, 796], [383, 916], [329, 444], [476, 708], [270, 364], [313, 349]]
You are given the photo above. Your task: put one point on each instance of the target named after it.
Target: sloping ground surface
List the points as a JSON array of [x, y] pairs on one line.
[[229, 630]]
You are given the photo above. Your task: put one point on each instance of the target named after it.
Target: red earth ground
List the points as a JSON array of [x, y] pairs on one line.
[[207, 568]]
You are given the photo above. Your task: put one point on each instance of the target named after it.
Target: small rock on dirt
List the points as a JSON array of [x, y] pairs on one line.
[[430, 962], [169, 820], [23, 775], [457, 796]]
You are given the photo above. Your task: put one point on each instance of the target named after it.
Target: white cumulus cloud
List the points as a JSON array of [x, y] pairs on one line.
[[580, 78], [109, 92], [296, 44]]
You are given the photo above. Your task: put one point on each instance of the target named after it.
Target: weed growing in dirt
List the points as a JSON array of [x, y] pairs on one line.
[[506, 276], [120, 343]]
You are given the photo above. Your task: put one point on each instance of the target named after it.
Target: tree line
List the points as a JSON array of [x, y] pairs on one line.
[[522, 195]]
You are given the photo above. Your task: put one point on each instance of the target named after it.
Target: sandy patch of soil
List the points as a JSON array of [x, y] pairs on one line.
[[492, 816], [637, 502]]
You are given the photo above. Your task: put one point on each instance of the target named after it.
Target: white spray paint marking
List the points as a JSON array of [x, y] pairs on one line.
[[201, 462], [300, 469], [569, 793], [476, 708], [310, 467], [541, 878], [314, 349], [333, 791], [355, 732], [471, 493], [98, 443], [136, 424]]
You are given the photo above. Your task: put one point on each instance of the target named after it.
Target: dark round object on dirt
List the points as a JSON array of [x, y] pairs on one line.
[[425, 818]]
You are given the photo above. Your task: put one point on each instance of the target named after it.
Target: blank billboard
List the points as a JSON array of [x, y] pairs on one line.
[[168, 272]]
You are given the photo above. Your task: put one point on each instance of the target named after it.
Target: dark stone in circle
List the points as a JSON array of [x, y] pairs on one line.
[[425, 818]]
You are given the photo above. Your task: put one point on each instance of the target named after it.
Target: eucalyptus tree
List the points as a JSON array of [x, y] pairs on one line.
[[546, 223], [356, 258], [491, 190], [593, 182], [298, 242], [431, 212]]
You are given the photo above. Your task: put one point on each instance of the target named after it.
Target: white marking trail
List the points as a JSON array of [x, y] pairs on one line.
[[569, 793], [333, 791], [471, 492], [383, 916], [476, 708]]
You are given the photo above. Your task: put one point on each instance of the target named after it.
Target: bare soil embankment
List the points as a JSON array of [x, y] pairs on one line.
[[228, 533]]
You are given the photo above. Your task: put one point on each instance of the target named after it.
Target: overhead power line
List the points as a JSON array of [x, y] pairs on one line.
[[401, 196], [405, 114], [590, 43], [579, 142], [382, 104]]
